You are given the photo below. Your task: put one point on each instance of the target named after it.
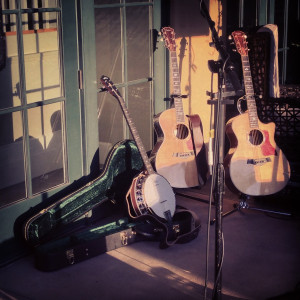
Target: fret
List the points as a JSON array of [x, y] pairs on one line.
[[249, 90], [177, 88]]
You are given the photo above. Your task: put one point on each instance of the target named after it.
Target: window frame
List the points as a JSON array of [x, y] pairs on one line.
[[73, 129]]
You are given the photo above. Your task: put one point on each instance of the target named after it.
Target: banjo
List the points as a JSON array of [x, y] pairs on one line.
[[149, 193]]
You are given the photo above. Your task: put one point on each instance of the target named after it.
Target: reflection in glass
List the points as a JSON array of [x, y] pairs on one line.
[[46, 147], [139, 106], [12, 176], [100, 2], [42, 58], [39, 4], [9, 76], [108, 43], [137, 41], [110, 123]]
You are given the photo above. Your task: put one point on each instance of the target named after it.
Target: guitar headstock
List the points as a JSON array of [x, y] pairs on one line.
[[240, 42], [109, 86], [169, 38]]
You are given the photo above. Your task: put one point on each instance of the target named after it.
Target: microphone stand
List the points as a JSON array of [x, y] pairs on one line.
[[222, 67]]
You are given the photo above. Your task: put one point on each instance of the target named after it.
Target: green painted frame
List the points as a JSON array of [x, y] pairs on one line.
[[73, 133]]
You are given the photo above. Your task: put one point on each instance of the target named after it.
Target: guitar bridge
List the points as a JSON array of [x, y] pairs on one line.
[[183, 154]]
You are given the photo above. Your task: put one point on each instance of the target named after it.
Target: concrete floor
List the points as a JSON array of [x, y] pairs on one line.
[[261, 261]]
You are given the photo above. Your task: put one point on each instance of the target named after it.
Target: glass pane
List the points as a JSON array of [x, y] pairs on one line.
[[279, 20], [110, 122], [9, 76], [129, 1], [42, 57], [250, 14], [39, 4], [12, 178], [99, 2], [293, 44], [108, 43], [137, 40], [139, 106], [46, 146]]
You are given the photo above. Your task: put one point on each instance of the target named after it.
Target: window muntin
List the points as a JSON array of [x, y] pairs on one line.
[[32, 106]]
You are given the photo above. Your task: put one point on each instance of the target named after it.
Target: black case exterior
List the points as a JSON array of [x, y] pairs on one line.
[[79, 247], [96, 240]]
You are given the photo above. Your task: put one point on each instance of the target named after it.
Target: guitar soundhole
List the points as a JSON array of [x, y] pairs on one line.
[[256, 137], [181, 131]]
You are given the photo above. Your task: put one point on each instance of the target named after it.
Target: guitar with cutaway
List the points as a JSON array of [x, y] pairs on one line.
[[254, 164]]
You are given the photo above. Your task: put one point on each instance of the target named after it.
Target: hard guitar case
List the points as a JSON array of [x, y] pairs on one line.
[[69, 231], [122, 164]]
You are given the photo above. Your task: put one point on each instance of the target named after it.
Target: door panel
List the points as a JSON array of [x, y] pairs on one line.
[[123, 53]]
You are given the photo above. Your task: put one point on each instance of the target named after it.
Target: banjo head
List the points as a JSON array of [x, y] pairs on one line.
[[159, 195]]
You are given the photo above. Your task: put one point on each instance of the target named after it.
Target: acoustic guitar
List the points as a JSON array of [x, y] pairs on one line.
[[149, 193], [254, 164], [174, 154]]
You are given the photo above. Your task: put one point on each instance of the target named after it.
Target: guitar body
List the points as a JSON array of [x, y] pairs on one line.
[[173, 156], [151, 194], [254, 164]]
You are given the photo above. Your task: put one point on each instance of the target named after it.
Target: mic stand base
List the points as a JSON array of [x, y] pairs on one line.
[[243, 204]]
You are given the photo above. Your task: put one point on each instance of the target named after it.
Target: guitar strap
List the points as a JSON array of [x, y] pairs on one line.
[[195, 127], [198, 140]]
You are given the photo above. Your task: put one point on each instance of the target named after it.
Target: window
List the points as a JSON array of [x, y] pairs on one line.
[[123, 31], [32, 106]]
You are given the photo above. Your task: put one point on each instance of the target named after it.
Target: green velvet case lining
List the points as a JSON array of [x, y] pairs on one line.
[[122, 164]]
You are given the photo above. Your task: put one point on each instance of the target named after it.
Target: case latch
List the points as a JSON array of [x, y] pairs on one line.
[[70, 256], [124, 238]]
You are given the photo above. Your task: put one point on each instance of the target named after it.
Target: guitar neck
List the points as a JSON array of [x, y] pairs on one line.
[[249, 90], [176, 87], [136, 136]]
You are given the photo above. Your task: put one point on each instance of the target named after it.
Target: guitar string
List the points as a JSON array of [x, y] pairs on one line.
[[254, 133]]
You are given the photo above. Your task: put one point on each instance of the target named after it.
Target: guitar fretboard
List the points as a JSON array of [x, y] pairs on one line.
[[176, 88], [251, 104]]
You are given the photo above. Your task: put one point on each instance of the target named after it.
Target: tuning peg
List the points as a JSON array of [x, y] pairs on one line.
[[159, 33], [161, 40], [234, 50], [230, 37]]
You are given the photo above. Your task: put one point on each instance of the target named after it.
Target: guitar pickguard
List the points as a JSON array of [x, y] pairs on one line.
[[267, 148]]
